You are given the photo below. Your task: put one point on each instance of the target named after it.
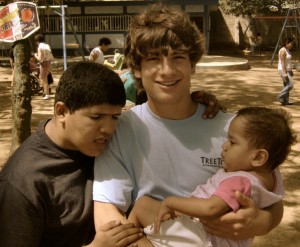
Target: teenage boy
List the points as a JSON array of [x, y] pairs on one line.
[[173, 148]]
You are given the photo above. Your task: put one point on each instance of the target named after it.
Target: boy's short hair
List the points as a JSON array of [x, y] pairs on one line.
[[104, 41], [157, 29], [39, 38], [270, 129], [86, 84]]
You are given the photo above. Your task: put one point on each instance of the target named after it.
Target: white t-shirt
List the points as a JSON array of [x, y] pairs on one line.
[[158, 157], [46, 53], [288, 59], [100, 55]]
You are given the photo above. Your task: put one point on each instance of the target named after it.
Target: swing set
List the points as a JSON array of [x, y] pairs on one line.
[[290, 27]]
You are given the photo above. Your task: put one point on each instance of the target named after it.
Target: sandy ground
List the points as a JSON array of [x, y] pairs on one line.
[[255, 87]]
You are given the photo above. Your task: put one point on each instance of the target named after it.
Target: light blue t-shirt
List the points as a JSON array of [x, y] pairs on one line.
[[129, 86], [158, 157]]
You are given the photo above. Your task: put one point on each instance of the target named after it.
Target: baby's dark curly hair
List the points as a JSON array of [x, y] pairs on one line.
[[270, 129]]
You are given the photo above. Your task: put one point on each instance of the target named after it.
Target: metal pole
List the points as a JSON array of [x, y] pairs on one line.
[[62, 7], [279, 39], [63, 22]]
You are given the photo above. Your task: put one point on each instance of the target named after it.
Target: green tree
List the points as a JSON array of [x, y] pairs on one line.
[[256, 7]]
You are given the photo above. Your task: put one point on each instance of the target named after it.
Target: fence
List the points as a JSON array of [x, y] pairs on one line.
[[52, 24]]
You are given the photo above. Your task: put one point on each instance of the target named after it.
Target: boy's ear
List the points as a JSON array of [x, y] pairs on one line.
[[261, 156], [137, 73], [60, 111]]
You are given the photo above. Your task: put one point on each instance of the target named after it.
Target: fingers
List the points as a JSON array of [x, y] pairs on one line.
[[156, 225], [128, 237], [244, 200], [212, 103], [197, 95], [110, 225], [116, 234]]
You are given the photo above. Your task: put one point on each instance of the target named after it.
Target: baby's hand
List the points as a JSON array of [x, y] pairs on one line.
[[164, 213]]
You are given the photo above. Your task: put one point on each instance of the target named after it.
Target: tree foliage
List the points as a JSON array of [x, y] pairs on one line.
[[257, 7]]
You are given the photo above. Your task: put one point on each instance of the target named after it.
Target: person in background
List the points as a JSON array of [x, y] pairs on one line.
[[256, 42], [45, 57], [259, 140], [97, 54], [164, 147], [116, 62], [117, 55], [285, 71], [32, 64]]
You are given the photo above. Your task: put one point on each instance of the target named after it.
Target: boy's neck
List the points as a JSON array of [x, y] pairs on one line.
[[174, 111]]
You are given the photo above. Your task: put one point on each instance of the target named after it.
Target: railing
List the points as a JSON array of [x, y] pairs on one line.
[[52, 24]]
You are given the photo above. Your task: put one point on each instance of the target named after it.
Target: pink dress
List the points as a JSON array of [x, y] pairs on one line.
[[188, 232]]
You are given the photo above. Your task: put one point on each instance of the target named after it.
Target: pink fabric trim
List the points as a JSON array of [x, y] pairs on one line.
[[229, 186]]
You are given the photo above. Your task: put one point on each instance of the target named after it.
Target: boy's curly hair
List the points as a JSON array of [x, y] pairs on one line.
[[157, 29]]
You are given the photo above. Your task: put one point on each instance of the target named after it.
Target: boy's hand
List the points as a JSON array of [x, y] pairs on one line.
[[116, 234], [238, 225], [212, 103]]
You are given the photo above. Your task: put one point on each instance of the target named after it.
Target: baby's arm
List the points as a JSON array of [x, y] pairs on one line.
[[196, 207]]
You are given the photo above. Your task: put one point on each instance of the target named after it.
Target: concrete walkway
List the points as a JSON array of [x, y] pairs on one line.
[[223, 62]]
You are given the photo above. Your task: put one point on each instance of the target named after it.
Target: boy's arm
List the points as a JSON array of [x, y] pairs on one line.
[[105, 212], [247, 222], [38, 55], [112, 228]]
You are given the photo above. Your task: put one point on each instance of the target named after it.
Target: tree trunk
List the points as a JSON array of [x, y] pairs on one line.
[[21, 95]]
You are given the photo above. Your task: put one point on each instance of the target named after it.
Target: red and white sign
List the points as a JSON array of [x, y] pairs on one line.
[[18, 21]]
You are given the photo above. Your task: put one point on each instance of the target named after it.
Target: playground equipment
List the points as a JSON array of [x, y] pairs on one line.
[[291, 21]]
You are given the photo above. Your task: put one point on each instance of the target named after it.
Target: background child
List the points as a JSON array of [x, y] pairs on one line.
[[259, 140]]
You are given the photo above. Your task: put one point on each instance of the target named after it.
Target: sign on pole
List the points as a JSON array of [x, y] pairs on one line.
[[18, 20]]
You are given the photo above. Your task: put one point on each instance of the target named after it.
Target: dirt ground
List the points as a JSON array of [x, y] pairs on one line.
[[255, 87]]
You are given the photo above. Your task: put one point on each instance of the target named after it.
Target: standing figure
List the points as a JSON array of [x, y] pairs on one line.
[[285, 71], [256, 42], [97, 54], [45, 57]]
